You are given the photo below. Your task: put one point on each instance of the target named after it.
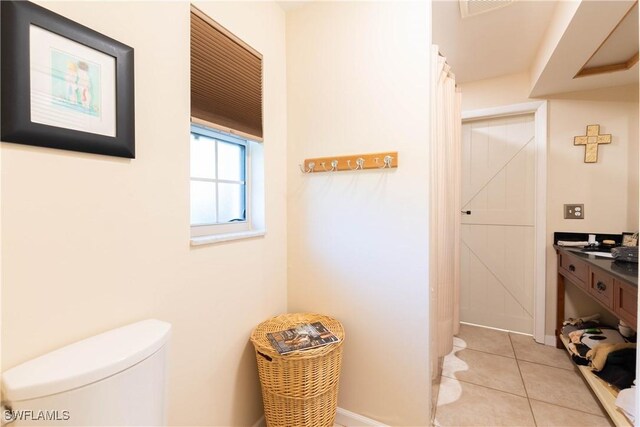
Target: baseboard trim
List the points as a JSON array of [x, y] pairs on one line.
[[260, 422], [488, 327], [343, 417], [351, 419], [550, 340]]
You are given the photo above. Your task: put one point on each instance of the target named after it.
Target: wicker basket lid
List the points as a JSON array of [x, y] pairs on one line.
[[290, 320]]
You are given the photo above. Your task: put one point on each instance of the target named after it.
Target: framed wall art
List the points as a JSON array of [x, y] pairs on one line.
[[64, 85], [629, 239]]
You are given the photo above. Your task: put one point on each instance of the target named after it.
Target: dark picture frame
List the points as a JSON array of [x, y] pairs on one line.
[[93, 113], [629, 239]]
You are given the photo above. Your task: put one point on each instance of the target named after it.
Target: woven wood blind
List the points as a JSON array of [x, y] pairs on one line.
[[226, 78]]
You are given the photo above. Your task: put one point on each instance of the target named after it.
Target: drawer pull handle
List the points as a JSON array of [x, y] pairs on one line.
[[572, 267], [601, 287]]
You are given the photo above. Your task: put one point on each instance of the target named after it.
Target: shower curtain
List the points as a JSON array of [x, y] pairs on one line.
[[445, 186]]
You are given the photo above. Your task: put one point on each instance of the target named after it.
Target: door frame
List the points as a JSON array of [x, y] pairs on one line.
[[539, 109]]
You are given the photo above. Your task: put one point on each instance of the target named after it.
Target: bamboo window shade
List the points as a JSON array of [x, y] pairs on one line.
[[226, 78]]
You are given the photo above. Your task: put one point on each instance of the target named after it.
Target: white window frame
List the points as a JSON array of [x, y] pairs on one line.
[[212, 233]]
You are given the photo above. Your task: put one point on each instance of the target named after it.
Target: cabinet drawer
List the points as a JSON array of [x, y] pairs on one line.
[[626, 302], [576, 268], [601, 287]]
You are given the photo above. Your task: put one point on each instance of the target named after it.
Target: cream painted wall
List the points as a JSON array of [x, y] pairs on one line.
[[608, 189], [506, 90], [358, 75], [91, 242]]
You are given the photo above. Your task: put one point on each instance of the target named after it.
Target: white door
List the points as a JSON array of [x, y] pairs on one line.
[[497, 236]]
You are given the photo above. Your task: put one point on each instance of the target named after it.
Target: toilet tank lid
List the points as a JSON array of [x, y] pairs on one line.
[[86, 361]]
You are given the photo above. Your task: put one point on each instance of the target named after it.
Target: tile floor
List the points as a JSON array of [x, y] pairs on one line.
[[494, 378]]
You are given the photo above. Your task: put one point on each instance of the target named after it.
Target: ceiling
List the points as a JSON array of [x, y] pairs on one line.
[[552, 40], [495, 43], [596, 36], [560, 43], [616, 48], [288, 5]]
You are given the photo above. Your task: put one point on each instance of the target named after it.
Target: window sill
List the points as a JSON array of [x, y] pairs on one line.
[[227, 237]]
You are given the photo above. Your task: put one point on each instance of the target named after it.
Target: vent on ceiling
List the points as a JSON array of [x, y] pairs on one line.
[[476, 7]]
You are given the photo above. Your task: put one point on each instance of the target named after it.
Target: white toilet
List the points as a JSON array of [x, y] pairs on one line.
[[117, 378]]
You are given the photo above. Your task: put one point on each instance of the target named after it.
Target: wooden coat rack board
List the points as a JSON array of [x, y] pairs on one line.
[[384, 160]]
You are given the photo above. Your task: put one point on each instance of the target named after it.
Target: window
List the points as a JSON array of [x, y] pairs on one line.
[[227, 188], [218, 179]]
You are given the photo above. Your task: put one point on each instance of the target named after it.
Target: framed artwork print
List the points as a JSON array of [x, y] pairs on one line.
[[629, 239], [64, 85]]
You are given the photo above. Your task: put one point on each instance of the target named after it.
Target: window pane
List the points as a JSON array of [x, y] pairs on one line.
[[231, 202], [230, 161], [203, 202], [203, 157]]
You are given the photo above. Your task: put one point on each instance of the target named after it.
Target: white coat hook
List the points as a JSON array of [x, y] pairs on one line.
[[312, 166], [387, 162], [359, 164], [334, 166]]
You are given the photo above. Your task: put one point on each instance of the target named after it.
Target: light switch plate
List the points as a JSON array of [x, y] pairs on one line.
[[573, 211]]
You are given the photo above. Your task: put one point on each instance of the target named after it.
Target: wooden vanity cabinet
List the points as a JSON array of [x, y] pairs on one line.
[[601, 287], [615, 291], [625, 302], [612, 292], [573, 268]]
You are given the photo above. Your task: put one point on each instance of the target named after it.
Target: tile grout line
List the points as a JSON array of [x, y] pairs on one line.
[[572, 409], [482, 351], [487, 387], [547, 365], [485, 352], [570, 368], [523, 384]]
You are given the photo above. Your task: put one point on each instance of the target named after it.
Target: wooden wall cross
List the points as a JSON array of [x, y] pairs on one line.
[[591, 141]]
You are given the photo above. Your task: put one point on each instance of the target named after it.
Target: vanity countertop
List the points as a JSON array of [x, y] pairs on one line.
[[627, 271]]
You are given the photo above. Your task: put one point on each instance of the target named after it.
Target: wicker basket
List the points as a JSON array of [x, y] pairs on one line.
[[299, 389]]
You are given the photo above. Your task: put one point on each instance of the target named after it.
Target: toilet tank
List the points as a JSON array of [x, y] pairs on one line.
[[117, 378]]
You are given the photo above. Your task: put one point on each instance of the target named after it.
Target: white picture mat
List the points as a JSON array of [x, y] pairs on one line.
[[43, 110]]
